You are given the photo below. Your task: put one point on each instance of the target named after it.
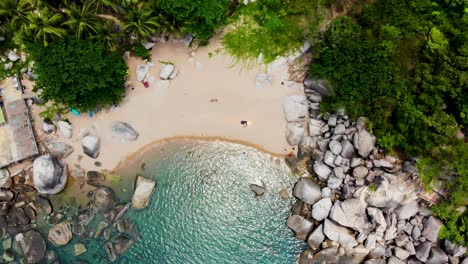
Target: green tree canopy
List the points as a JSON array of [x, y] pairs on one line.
[[79, 74]]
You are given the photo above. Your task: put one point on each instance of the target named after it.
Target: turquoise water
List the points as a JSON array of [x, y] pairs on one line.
[[203, 210]]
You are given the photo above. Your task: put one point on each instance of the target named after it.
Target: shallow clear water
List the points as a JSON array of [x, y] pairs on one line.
[[203, 210]]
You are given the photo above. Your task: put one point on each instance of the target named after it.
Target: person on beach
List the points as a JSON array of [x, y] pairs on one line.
[[243, 123]]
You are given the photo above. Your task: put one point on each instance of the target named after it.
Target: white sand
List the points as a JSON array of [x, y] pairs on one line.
[[184, 108]]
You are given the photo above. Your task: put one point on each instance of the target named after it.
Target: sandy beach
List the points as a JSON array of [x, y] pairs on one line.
[[208, 98]]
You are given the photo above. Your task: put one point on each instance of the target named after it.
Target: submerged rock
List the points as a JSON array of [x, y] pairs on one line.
[[258, 189], [104, 200], [49, 174], [125, 131], [33, 245], [79, 249], [300, 226], [143, 190], [60, 234]]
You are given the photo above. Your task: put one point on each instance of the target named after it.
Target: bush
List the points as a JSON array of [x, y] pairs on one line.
[[142, 52], [272, 27], [201, 17], [78, 74]]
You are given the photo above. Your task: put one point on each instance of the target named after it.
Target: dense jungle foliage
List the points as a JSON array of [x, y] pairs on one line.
[[404, 65]]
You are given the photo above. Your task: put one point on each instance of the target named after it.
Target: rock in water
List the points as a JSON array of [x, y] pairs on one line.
[[166, 71], [144, 189], [295, 108], [49, 174], [91, 146], [307, 191], [300, 226], [294, 133], [61, 149], [141, 72], [104, 199], [79, 249], [65, 128], [125, 131], [258, 189], [33, 245], [60, 234]]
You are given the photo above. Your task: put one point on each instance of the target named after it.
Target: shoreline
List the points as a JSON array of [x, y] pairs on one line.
[[133, 155]]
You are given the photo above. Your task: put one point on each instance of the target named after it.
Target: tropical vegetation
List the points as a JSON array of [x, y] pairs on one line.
[[403, 64]]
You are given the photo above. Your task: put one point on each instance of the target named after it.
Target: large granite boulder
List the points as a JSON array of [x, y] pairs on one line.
[[364, 142], [407, 210], [13, 56], [320, 86], [144, 189], [104, 200], [49, 174], [33, 246], [322, 170], [125, 131], [307, 191], [347, 149], [300, 226], [350, 213], [294, 133], [338, 233], [60, 234], [91, 146], [437, 256], [314, 127], [316, 238], [432, 227], [295, 108], [65, 128], [321, 209]]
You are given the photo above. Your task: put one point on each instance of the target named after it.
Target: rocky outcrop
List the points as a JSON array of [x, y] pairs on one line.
[[49, 174], [91, 146], [60, 234], [364, 207], [143, 191], [295, 108], [125, 131]]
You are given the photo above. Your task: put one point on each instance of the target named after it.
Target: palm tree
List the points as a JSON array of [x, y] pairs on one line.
[[140, 23], [107, 36], [43, 26], [82, 20], [170, 27], [101, 5], [14, 12]]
